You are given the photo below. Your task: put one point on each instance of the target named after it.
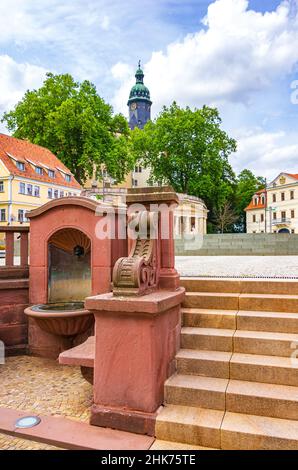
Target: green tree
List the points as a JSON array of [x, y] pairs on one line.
[[75, 123], [188, 150], [247, 185]]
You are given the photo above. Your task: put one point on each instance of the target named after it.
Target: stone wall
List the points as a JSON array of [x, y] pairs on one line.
[[14, 298], [257, 244]]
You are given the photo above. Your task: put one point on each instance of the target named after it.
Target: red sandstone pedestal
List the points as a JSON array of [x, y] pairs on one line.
[[137, 339]]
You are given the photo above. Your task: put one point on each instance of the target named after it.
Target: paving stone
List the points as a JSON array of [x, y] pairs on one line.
[[42, 386]]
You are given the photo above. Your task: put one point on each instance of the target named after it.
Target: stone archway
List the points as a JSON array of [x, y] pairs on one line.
[[284, 230]]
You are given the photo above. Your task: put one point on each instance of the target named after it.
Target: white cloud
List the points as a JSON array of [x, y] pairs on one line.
[[266, 153], [105, 23], [15, 80], [236, 53]]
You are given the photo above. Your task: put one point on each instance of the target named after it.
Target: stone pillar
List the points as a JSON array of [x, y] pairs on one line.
[[197, 224], [136, 340], [167, 200], [177, 226]]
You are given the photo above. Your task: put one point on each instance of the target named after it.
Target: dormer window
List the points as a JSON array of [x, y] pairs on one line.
[[51, 173], [20, 166], [68, 178], [38, 170]]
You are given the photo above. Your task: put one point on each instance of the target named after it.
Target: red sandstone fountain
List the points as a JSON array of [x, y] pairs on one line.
[[68, 262]]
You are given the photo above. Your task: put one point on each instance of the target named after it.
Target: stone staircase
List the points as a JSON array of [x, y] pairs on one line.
[[236, 385]]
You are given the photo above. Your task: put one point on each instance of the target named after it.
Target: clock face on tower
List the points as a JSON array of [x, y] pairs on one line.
[[133, 106]]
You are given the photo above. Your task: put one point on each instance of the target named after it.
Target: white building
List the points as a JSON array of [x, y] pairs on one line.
[[275, 209]]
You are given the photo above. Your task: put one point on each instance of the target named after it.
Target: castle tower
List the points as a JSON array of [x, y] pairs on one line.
[[139, 102]]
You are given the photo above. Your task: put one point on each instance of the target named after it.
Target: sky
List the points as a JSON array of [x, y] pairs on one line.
[[238, 55]]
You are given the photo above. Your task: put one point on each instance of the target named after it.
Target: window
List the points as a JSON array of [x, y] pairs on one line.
[[21, 216], [56, 193], [61, 193], [3, 215], [254, 219], [293, 230], [51, 173], [68, 178], [1, 186], [283, 216], [274, 215], [134, 183], [256, 201], [50, 193], [282, 196], [21, 166], [22, 188], [273, 197], [36, 191], [38, 170], [292, 214], [138, 169], [29, 189], [262, 217], [263, 200], [292, 196]]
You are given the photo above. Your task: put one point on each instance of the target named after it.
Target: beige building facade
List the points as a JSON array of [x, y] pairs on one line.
[[275, 209]]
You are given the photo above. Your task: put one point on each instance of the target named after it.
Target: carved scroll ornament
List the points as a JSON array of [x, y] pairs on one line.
[[137, 274]]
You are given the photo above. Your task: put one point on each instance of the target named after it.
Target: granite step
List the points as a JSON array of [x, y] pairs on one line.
[[279, 322], [241, 286], [212, 300], [235, 301], [213, 339], [190, 425], [266, 369], [205, 363], [204, 318], [202, 392], [265, 343], [268, 302], [275, 401], [250, 432]]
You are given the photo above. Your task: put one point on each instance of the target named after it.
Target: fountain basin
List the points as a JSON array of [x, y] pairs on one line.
[[62, 319]]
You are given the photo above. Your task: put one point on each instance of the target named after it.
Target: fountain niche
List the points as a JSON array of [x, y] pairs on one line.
[[67, 264]]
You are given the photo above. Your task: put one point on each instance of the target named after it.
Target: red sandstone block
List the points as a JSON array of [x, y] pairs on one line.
[[101, 280], [12, 335], [14, 296], [70, 434], [13, 314], [38, 285]]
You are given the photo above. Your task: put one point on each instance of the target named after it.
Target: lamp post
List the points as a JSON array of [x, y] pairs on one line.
[[270, 210]]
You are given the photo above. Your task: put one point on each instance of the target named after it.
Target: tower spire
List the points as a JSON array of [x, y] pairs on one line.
[[139, 101]]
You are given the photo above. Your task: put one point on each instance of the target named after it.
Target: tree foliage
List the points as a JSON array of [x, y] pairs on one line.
[[188, 150], [75, 123], [247, 185]]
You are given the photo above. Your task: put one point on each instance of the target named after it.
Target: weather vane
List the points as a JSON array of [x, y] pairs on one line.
[[139, 63]]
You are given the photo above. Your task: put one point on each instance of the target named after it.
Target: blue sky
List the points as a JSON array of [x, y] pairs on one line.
[[238, 55]]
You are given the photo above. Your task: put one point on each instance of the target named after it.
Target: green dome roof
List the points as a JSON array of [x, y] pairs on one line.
[[139, 91]]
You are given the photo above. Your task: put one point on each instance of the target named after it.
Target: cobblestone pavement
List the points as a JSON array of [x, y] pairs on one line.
[[13, 443], [277, 267], [42, 386]]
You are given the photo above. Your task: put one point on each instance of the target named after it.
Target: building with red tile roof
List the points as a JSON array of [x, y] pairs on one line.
[[30, 175], [275, 209]]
